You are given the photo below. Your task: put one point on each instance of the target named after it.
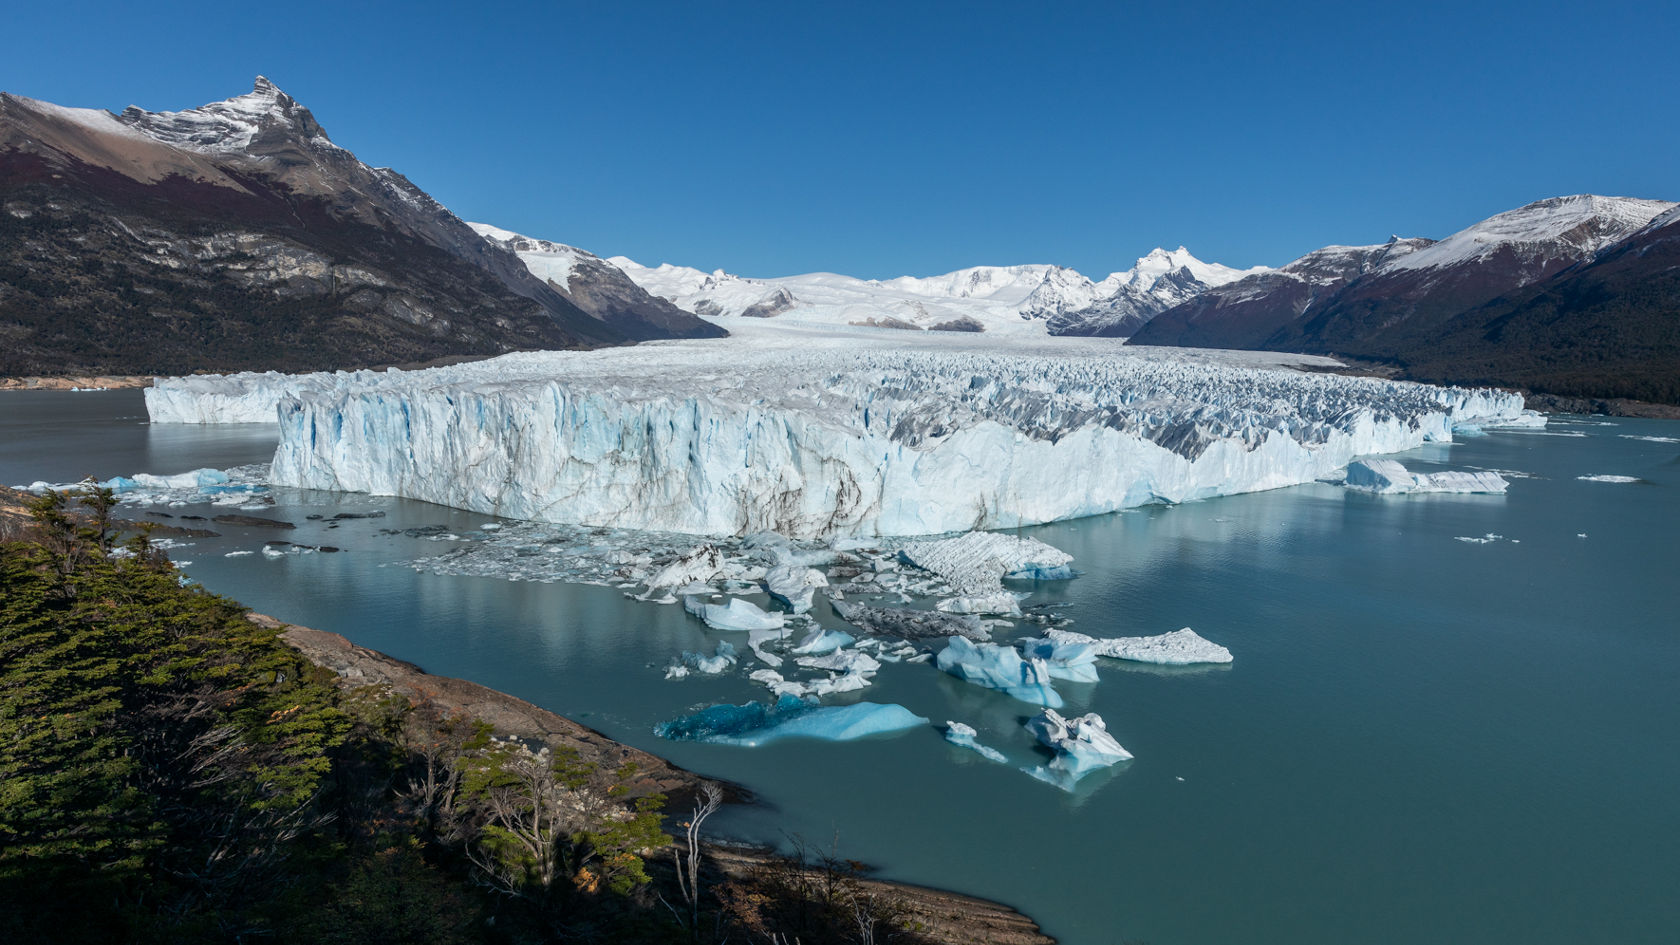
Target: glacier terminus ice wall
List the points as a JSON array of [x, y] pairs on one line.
[[814, 440]]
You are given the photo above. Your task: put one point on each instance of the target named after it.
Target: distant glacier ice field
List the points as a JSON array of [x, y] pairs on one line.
[[826, 433]]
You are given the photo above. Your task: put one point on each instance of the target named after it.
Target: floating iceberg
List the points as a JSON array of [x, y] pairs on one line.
[[1002, 603], [909, 624], [219, 486], [755, 724], [720, 661], [974, 564], [1081, 744], [738, 614], [963, 735], [1178, 648], [811, 436], [793, 585], [1072, 660], [999, 667], [1387, 477], [822, 640]]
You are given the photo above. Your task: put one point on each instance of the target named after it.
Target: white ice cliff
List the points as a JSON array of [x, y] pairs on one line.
[[816, 435]]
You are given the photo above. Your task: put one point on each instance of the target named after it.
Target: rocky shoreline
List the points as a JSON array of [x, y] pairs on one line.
[[941, 915]]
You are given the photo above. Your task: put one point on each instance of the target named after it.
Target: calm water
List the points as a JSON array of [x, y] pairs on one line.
[[1421, 739]]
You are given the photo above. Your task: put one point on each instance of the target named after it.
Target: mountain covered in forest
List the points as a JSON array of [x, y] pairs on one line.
[[237, 235]]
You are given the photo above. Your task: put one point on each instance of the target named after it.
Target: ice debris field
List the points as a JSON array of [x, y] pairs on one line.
[[821, 503]]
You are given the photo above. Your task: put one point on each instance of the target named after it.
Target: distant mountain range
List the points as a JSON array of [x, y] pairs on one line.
[[1576, 296], [237, 235], [1031, 298]]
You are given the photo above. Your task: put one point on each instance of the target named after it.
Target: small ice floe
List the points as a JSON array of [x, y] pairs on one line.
[[1605, 477], [1487, 539], [1649, 439], [822, 640], [1072, 660], [963, 736], [1003, 603], [1580, 534], [738, 614], [241, 554], [1179, 648], [755, 723], [1387, 477], [720, 661], [842, 661], [974, 564], [793, 585], [758, 639], [1081, 744], [999, 667]]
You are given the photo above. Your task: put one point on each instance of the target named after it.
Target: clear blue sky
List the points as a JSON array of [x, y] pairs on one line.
[[879, 139]]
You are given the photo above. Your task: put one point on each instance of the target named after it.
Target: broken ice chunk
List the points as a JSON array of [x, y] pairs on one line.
[[1002, 602], [962, 735], [699, 564], [822, 640], [999, 667], [793, 585], [1178, 648], [1387, 477], [738, 614], [754, 724], [1082, 744], [721, 659], [842, 661], [1072, 660]]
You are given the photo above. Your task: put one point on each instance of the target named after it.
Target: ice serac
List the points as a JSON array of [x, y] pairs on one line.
[[1179, 648], [1387, 477], [811, 442]]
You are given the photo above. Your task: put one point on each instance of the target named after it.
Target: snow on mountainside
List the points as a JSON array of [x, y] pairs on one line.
[[819, 432], [600, 289], [1573, 228], [1014, 299], [1439, 310]]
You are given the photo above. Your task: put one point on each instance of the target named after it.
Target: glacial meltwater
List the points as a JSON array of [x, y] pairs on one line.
[[1450, 718]]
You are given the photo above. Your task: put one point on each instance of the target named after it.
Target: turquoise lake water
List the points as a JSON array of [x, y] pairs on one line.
[[1421, 739]]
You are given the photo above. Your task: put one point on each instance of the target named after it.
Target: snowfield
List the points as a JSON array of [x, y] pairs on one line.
[[818, 433]]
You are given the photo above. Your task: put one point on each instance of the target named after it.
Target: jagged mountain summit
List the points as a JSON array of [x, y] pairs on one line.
[[1504, 301], [237, 235], [1029, 298]]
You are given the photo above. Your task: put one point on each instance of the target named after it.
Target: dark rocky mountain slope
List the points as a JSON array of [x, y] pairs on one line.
[[238, 236], [1575, 295]]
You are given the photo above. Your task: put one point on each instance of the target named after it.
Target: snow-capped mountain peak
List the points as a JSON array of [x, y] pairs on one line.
[[233, 125], [1575, 226]]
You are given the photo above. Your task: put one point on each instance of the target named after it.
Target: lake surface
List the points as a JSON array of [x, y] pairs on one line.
[[1421, 739]]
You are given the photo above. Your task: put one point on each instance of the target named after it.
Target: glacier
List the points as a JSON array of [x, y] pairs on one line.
[[817, 434]]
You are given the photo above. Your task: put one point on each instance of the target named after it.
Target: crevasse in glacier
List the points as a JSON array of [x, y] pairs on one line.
[[813, 441]]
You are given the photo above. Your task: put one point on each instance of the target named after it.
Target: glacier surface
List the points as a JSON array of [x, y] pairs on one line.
[[814, 434]]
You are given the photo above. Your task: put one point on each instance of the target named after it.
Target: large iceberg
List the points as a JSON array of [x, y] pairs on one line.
[[811, 437], [999, 667], [975, 564], [1386, 477], [754, 724], [1082, 744], [1182, 647]]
